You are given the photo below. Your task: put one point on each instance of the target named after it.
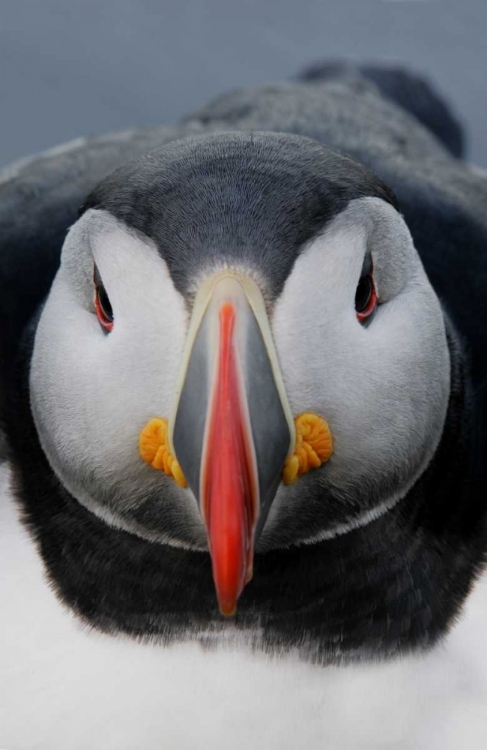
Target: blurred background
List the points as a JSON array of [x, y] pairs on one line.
[[70, 68]]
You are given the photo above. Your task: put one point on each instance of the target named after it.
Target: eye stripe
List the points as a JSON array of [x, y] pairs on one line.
[[96, 276], [366, 294], [367, 266], [365, 297], [103, 307]]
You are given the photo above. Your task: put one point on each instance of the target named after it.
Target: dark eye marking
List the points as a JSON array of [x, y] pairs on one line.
[[103, 307], [366, 295]]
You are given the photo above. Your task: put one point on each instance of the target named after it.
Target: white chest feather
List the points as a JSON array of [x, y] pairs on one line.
[[65, 688]]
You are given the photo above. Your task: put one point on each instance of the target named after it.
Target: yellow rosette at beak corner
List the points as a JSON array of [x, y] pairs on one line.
[[313, 448]]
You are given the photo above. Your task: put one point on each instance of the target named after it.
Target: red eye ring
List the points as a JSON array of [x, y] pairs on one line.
[[362, 315], [105, 321]]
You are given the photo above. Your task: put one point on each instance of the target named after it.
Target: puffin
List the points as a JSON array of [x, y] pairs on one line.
[[243, 374]]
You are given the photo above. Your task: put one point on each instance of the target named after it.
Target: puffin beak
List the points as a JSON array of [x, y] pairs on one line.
[[231, 428]]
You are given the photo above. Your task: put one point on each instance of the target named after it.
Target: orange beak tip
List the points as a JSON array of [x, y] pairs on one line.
[[228, 609]]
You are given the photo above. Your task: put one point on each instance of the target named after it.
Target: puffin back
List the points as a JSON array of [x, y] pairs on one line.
[[412, 92]]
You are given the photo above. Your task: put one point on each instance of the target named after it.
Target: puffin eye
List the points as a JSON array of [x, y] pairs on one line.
[[103, 307], [365, 295]]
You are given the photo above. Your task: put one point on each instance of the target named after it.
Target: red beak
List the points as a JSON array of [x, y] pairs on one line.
[[229, 485], [231, 428]]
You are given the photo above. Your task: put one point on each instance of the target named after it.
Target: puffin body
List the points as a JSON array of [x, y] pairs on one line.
[[260, 339]]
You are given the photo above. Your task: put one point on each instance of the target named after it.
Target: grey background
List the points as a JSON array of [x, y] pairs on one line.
[[78, 67]]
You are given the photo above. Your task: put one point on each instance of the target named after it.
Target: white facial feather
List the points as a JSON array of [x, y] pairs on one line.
[[383, 388], [92, 394]]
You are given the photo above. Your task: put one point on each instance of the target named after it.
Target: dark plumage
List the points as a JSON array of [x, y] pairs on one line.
[[411, 92]]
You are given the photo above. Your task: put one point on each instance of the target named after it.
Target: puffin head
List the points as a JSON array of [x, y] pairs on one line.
[[241, 350]]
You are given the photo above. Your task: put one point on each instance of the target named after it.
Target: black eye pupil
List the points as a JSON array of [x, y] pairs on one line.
[[363, 293], [104, 303]]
